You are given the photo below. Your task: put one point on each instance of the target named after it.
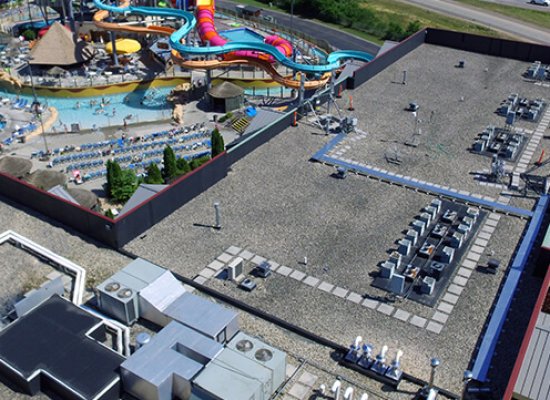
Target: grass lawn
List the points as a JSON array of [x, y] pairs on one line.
[[402, 13], [534, 17]]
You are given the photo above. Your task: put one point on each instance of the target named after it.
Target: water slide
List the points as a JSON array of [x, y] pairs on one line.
[[258, 54], [210, 36]]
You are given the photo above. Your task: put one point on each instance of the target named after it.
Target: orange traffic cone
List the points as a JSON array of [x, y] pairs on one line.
[[350, 108], [295, 119], [539, 162]]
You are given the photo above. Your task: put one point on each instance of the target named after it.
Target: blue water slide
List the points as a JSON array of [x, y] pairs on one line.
[[334, 59]]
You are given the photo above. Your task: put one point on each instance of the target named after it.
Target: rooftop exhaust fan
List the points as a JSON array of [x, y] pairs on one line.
[[263, 355], [244, 345], [112, 287], [125, 293]]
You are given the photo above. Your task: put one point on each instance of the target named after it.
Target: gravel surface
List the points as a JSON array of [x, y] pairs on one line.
[[19, 268], [438, 87], [279, 205], [21, 272], [99, 261], [290, 208]]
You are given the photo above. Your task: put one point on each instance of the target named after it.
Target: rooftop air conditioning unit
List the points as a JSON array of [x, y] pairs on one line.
[[118, 301], [260, 352]]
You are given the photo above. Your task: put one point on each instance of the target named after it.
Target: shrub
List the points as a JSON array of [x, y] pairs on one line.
[[109, 214], [29, 34], [154, 176], [197, 162], [183, 166]]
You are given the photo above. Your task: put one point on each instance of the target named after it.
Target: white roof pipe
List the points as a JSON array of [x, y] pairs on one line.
[[336, 389], [78, 271], [348, 394]]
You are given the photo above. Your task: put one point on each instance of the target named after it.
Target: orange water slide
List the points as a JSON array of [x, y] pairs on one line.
[[100, 17]]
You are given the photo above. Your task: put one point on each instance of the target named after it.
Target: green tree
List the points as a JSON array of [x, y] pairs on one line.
[[114, 174], [126, 187], [154, 176], [218, 146], [183, 166], [170, 169]]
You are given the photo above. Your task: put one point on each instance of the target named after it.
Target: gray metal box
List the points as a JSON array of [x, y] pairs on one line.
[[118, 295], [265, 355], [387, 269], [233, 376], [164, 368], [203, 316]]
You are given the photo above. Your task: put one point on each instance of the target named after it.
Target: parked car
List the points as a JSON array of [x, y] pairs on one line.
[[541, 2]]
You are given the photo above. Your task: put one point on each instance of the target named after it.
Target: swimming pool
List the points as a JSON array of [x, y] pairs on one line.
[[242, 35], [138, 106]]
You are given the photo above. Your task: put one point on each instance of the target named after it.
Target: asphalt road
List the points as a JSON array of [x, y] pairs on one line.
[[518, 29], [521, 3], [336, 38]]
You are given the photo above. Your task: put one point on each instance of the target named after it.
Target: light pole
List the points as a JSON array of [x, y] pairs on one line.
[[291, 15], [30, 13], [37, 109], [468, 376], [292, 32]]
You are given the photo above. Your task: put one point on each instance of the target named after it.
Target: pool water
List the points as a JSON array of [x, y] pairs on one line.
[[138, 106], [242, 35]]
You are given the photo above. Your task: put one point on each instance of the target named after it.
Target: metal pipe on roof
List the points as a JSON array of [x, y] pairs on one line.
[[78, 271], [288, 326], [123, 332]]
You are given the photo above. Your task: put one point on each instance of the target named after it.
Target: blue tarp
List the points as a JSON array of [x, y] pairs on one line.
[[250, 111]]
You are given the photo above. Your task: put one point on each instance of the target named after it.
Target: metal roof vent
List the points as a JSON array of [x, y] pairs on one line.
[[112, 287], [263, 355], [125, 293], [244, 345]]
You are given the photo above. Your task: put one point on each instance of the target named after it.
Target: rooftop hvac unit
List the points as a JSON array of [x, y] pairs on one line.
[[260, 352], [235, 270], [118, 301]]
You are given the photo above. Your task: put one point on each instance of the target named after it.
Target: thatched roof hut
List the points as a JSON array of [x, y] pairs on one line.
[[59, 47], [226, 90], [46, 179], [226, 97], [84, 197], [15, 166]]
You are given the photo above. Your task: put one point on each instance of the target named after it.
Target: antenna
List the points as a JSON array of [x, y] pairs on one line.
[[434, 363]]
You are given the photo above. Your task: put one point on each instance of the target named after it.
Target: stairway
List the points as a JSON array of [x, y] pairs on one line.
[[240, 125]]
